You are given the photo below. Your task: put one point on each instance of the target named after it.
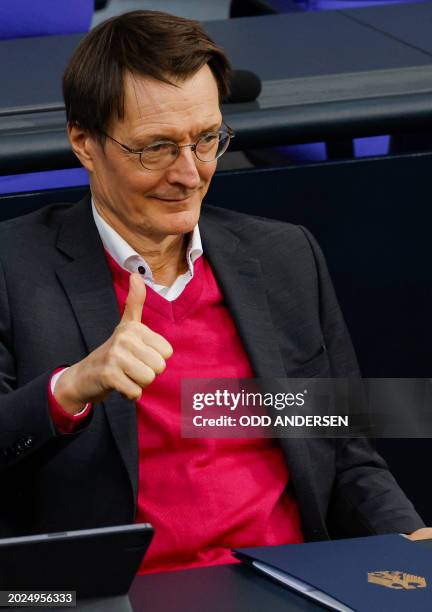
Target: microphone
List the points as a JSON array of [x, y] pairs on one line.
[[245, 87]]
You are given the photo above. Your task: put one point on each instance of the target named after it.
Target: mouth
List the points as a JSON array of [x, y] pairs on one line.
[[174, 200]]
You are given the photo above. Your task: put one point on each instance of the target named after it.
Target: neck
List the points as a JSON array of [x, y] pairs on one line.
[[167, 260], [166, 255]]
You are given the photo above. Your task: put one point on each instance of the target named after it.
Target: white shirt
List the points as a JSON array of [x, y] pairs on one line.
[[131, 261]]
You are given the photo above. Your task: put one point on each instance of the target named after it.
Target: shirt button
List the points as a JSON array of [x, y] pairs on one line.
[[141, 269]]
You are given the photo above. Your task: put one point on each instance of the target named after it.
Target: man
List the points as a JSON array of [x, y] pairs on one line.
[[91, 357]]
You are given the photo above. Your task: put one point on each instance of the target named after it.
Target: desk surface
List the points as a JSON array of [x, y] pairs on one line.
[[325, 74], [413, 27], [227, 588], [276, 47]]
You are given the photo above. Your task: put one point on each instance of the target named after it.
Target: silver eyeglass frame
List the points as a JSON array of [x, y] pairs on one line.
[[228, 131]]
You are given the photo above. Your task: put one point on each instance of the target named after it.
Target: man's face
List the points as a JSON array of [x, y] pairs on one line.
[[156, 203]]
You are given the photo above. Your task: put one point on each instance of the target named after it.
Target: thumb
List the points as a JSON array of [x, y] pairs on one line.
[[135, 299]]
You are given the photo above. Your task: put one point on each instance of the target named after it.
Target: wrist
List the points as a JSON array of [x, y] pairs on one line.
[[65, 393]]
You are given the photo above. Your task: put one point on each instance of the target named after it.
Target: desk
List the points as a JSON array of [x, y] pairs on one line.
[[223, 588], [411, 27], [325, 75]]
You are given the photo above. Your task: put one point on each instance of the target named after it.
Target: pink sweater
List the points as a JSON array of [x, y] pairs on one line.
[[203, 496]]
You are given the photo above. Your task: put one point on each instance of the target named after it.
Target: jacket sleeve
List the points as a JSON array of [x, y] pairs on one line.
[[25, 421], [366, 498]]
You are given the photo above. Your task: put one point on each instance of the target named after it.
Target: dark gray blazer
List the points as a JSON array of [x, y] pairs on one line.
[[57, 303]]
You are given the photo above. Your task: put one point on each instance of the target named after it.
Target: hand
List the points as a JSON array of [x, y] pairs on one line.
[[127, 362], [425, 533]]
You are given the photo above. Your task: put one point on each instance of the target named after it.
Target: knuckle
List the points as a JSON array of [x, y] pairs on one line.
[[111, 358], [115, 342], [107, 375], [162, 366], [159, 367], [168, 351], [134, 326], [131, 395], [126, 330], [120, 329], [150, 375], [121, 341]]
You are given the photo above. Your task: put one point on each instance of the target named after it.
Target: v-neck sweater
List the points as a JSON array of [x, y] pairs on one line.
[[203, 496]]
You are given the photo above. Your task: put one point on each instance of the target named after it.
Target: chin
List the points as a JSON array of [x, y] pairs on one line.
[[180, 228], [182, 222]]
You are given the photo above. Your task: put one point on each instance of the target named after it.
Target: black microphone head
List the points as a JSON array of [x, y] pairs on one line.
[[245, 87]]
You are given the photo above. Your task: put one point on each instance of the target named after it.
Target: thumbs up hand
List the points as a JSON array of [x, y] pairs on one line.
[[135, 299], [127, 362]]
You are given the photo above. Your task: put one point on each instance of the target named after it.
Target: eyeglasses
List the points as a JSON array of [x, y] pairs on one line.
[[162, 153]]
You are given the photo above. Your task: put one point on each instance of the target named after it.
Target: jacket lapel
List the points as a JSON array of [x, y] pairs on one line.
[[87, 281], [241, 281]]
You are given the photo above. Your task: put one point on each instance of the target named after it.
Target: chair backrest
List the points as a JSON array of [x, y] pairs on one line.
[[21, 18]]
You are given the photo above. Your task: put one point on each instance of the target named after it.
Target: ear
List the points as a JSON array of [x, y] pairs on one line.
[[83, 145]]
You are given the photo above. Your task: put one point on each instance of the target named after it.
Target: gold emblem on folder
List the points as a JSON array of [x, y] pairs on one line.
[[397, 580]]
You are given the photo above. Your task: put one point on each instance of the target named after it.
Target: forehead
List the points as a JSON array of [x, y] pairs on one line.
[[187, 105]]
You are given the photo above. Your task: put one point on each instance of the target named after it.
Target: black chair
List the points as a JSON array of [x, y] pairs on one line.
[[250, 8]]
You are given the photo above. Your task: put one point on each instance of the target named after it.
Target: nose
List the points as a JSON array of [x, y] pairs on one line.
[[184, 170]]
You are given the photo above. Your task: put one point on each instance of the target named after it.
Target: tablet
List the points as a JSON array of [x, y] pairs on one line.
[[93, 562]]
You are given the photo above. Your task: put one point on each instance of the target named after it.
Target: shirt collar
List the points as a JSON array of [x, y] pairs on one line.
[[129, 259]]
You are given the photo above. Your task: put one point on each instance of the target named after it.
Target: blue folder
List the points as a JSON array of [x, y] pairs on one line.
[[376, 573]]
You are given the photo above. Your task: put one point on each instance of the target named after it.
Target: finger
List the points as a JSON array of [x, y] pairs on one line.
[[135, 299], [128, 388], [425, 533], [157, 342], [138, 372], [148, 355]]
